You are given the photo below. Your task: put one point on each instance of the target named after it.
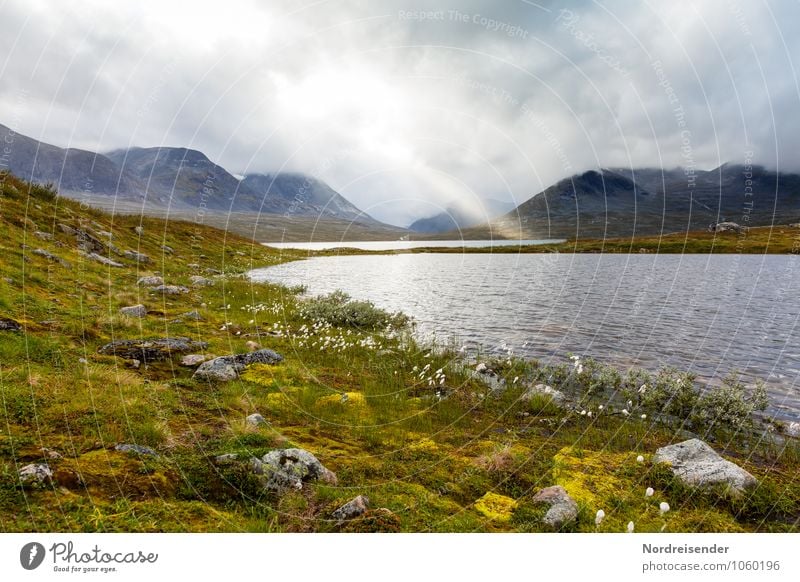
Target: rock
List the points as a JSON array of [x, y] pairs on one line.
[[43, 235], [192, 360], [139, 230], [89, 243], [167, 249], [563, 508], [135, 449], [253, 346], [136, 256], [170, 289], [50, 257], [151, 281], [105, 234], [227, 368], [9, 325], [698, 465], [481, 368], [354, 508], [151, 350], [103, 260], [727, 227], [193, 266], [285, 469], [50, 453], [67, 229], [793, 429], [134, 311], [226, 459], [193, 315], [35, 474], [543, 390], [198, 281], [255, 420]]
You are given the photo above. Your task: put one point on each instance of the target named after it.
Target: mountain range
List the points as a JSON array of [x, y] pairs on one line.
[[640, 202], [609, 202], [172, 177]]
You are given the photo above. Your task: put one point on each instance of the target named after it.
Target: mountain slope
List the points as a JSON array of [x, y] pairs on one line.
[[639, 202], [458, 216], [72, 171]]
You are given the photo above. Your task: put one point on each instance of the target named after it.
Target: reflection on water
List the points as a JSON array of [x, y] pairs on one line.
[[398, 245], [708, 314]]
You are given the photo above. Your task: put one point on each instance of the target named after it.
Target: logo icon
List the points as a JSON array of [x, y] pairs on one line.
[[31, 555]]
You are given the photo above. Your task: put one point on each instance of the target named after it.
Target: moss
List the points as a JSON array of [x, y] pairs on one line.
[[496, 507]]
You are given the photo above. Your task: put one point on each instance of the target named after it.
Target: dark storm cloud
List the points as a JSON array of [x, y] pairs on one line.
[[406, 105]]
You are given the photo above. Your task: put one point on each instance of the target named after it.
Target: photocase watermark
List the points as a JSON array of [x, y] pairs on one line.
[[66, 558], [491, 24], [569, 21]]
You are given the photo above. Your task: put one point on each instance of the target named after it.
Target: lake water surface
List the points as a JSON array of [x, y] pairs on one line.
[[398, 245], [708, 314]]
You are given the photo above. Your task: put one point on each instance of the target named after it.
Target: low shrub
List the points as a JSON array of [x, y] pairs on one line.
[[338, 309]]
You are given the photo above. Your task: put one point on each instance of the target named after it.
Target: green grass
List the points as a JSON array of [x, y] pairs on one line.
[[424, 457]]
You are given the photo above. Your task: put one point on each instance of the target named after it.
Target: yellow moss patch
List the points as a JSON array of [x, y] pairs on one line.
[[495, 506], [423, 445], [588, 476], [353, 400]]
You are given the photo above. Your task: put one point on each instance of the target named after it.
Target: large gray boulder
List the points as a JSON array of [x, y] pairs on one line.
[[150, 281], [285, 469], [198, 281], [563, 508], [151, 350], [227, 368], [136, 256], [698, 465]]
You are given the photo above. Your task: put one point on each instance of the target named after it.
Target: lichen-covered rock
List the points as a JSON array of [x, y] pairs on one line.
[[495, 506], [554, 395], [35, 474], [698, 465], [135, 449], [285, 469], [563, 509], [192, 360], [103, 260], [198, 281], [134, 311], [151, 281], [43, 235], [227, 368], [50, 257], [354, 508], [151, 350], [170, 289], [194, 315], [9, 325], [136, 256]]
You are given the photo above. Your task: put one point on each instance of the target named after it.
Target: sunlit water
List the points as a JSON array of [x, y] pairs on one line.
[[396, 245], [708, 314]]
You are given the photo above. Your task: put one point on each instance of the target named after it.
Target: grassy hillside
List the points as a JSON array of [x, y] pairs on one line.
[[434, 447]]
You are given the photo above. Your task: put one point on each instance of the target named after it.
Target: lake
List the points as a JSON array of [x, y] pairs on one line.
[[707, 314], [398, 245]]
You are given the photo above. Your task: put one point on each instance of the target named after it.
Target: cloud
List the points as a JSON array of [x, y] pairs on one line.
[[405, 106]]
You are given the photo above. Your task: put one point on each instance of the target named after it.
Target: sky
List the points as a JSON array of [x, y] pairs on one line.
[[407, 107]]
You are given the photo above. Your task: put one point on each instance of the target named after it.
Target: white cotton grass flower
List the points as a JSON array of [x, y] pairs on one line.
[[640, 459], [631, 527], [649, 492], [663, 507], [599, 517], [644, 417], [625, 412]]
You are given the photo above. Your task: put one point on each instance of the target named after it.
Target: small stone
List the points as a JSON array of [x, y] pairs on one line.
[[563, 508], [255, 420], [198, 281], [135, 449], [139, 230], [226, 459], [136, 256], [50, 453], [354, 508], [170, 289], [103, 260], [226, 368], [150, 281], [50, 257], [253, 346], [134, 311], [167, 249], [193, 315], [67, 229], [35, 474], [192, 360], [9, 325], [287, 469], [43, 235], [151, 350]]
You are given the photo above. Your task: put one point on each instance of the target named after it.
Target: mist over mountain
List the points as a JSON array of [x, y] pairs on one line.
[[458, 216]]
